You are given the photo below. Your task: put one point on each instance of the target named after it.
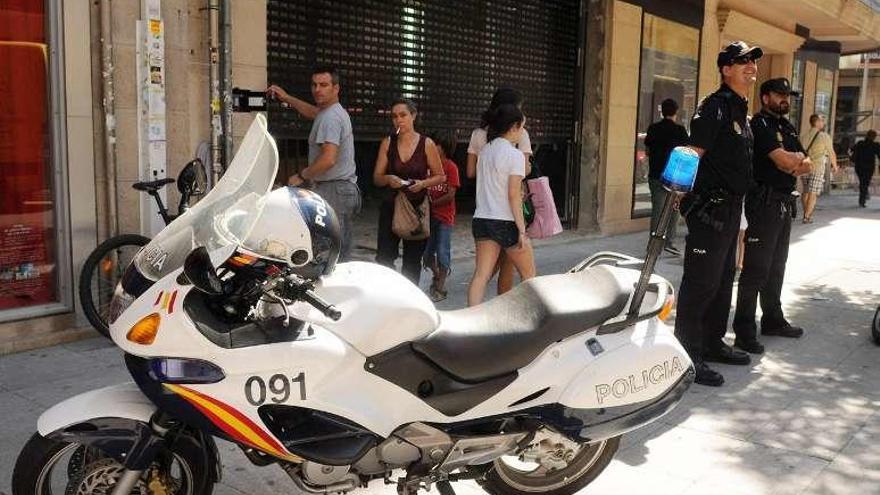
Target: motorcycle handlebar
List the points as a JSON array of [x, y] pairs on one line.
[[325, 308], [294, 287]]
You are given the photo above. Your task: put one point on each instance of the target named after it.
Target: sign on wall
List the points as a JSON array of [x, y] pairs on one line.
[[151, 110]]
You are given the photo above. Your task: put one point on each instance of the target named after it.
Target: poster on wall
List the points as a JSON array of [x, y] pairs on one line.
[[27, 275]]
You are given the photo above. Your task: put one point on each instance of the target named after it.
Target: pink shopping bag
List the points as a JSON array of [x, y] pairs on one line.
[[546, 223]]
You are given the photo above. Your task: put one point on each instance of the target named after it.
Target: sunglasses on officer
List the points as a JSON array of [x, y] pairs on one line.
[[742, 60]]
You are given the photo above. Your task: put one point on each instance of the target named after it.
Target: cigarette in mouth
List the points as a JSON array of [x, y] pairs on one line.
[[397, 131]]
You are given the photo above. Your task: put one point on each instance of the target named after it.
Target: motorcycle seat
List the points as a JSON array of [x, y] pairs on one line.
[[510, 331]]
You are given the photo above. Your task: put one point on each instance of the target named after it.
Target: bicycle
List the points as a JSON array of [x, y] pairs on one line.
[[105, 265]]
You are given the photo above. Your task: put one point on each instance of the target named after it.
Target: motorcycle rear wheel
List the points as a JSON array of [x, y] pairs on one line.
[[591, 459], [42, 459]]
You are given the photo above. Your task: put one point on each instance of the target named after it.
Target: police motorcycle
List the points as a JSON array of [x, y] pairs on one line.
[[236, 322]]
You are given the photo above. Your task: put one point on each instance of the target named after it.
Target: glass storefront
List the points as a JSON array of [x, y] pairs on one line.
[[797, 84], [824, 94], [29, 240], [668, 69]]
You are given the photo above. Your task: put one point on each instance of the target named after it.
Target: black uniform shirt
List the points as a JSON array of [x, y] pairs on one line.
[[661, 138], [771, 133], [864, 152], [721, 128]]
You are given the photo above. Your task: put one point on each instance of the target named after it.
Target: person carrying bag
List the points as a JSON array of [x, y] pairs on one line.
[[402, 167], [411, 222], [539, 197]]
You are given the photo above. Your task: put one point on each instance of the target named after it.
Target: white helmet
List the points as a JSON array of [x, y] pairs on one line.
[[297, 227]]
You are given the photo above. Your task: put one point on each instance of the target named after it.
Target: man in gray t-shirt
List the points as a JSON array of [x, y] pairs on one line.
[[331, 171]]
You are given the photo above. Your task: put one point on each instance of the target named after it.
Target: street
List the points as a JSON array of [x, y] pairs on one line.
[[804, 418]]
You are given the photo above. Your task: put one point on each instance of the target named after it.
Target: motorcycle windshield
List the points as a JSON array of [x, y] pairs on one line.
[[226, 215]]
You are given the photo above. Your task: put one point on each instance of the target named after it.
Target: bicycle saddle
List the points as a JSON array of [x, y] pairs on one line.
[[153, 185]]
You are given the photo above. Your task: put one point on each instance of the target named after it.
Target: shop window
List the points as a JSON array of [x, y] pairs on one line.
[[668, 69], [28, 247], [797, 84], [824, 93]]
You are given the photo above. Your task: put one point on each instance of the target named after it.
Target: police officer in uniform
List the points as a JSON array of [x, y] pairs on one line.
[[721, 135], [779, 157]]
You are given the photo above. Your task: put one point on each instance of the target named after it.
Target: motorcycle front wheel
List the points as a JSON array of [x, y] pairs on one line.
[[49, 467], [562, 468]]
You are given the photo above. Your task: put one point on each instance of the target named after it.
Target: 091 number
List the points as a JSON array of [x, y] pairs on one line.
[[277, 389]]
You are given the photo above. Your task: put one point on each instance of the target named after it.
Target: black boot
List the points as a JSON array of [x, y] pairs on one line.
[[751, 346], [706, 375], [727, 355]]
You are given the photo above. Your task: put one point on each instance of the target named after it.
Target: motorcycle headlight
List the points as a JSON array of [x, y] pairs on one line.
[[181, 370]]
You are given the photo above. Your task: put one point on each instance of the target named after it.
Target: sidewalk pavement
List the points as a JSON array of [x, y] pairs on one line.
[[804, 418]]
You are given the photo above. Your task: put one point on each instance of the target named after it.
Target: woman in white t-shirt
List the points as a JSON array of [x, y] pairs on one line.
[[498, 224], [503, 95]]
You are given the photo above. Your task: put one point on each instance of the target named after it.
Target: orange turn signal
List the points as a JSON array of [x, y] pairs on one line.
[[666, 310], [144, 331]]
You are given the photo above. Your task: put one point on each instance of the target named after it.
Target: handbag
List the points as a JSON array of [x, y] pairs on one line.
[[546, 222], [527, 206], [411, 222]]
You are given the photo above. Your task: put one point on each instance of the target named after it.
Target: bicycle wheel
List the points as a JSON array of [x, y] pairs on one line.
[[101, 272]]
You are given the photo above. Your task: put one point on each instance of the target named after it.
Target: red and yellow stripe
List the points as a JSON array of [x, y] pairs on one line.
[[167, 300], [233, 423]]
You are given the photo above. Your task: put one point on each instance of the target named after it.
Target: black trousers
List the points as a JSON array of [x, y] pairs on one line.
[[766, 252], [388, 246], [865, 174], [707, 281]]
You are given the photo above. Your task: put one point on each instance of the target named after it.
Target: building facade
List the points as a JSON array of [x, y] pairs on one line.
[[656, 51], [593, 73]]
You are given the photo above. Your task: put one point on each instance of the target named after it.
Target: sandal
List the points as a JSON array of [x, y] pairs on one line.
[[438, 295]]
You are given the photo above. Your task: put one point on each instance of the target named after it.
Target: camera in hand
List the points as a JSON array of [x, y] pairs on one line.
[[245, 100]]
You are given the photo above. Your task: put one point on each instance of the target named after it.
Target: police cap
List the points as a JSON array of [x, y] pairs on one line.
[[738, 50], [779, 85]]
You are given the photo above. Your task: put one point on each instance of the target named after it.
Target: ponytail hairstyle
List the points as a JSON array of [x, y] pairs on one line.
[[501, 119], [503, 96]]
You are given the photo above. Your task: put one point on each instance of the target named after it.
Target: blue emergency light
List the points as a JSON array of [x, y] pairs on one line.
[[681, 170]]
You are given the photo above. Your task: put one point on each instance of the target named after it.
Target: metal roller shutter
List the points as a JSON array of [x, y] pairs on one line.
[[447, 55]]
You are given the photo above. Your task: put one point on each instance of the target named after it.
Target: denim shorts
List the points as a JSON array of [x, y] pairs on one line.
[[440, 244], [504, 232]]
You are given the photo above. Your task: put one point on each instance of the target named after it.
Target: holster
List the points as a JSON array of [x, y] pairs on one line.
[[710, 208], [764, 200]]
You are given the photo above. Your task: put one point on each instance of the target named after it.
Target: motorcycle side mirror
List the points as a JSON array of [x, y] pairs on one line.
[[201, 272]]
